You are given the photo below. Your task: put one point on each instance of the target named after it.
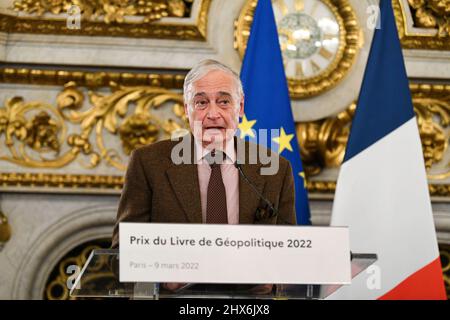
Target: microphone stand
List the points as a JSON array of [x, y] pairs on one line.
[[261, 212]]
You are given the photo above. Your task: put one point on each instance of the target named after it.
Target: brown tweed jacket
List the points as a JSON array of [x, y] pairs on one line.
[[157, 190]]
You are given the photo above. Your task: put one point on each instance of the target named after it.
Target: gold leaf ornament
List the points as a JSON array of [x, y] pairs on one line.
[[42, 133], [70, 98], [177, 7], [432, 14], [433, 115], [80, 143], [138, 130], [15, 123]]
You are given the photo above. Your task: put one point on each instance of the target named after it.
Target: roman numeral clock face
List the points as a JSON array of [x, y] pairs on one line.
[[319, 40], [309, 36]]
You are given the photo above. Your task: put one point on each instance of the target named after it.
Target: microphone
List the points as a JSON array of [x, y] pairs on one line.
[[261, 213]]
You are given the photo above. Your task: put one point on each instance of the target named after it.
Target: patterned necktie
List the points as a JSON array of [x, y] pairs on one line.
[[216, 201]]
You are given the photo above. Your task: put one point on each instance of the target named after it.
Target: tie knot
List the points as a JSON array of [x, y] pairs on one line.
[[215, 158]]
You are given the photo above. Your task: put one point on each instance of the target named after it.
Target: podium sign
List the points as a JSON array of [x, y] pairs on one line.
[[246, 254]]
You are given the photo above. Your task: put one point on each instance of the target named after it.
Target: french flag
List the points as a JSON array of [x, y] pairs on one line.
[[382, 191]]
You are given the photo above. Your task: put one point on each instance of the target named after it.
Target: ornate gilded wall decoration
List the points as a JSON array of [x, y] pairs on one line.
[[423, 24], [131, 18], [323, 142], [89, 79], [5, 230], [432, 106], [434, 14], [138, 130], [42, 133], [35, 132], [319, 40], [98, 129], [109, 10]]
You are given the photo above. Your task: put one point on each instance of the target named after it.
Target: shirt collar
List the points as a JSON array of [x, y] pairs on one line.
[[229, 151]]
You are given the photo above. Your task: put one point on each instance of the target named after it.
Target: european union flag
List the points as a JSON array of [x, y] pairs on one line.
[[267, 102]]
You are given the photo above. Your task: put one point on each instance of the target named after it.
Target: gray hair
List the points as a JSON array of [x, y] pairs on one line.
[[203, 68]]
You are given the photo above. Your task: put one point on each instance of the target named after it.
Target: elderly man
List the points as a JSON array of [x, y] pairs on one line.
[[158, 188]]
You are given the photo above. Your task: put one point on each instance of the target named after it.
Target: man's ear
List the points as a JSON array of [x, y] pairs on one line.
[[186, 110], [241, 107]]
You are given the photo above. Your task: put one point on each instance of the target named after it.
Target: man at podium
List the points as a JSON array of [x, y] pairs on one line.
[[222, 178]]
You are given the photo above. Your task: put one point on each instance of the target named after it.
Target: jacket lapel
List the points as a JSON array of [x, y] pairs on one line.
[[184, 181]]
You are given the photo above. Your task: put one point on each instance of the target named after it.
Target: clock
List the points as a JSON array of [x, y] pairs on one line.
[[319, 41], [310, 36]]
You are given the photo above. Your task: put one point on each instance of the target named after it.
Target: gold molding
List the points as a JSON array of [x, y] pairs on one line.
[[61, 181], [80, 182], [88, 78], [351, 38], [321, 186], [329, 187], [159, 30], [416, 41]]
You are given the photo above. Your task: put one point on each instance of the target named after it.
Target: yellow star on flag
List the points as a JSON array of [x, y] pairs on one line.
[[302, 174], [284, 140], [246, 127]]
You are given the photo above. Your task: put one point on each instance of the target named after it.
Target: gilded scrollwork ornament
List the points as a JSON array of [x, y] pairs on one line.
[[138, 130], [12, 123], [188, 19], [39, 135], [42, 133], [429, 28], [433, 118], [323, 142], [433, 14], [100, 126], [35, 125], [109, 11], [432, 107]]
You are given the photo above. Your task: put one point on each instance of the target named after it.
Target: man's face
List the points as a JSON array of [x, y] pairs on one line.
[[214, 112]]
